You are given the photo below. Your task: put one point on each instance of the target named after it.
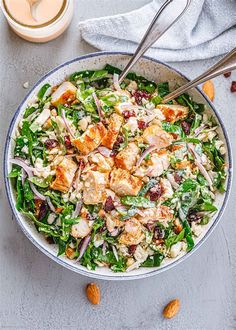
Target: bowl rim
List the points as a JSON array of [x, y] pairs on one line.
[[84, 272]]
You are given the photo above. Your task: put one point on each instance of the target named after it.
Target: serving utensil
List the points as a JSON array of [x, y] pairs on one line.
[[226, 64], [169, 13]]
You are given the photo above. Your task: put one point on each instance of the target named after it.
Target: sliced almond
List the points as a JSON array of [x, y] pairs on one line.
[[209, 89], [93, 293], [171, 309]]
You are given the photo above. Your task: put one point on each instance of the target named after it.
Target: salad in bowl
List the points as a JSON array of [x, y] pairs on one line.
[[112, 176]]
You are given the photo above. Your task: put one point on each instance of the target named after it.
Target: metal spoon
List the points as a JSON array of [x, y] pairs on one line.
[[33, 8], [226, 64], [168, 14]]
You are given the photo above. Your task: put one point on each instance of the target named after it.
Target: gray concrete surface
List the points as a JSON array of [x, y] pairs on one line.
[[36, 293]]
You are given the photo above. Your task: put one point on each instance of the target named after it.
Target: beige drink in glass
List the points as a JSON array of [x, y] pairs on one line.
[[50, 18]]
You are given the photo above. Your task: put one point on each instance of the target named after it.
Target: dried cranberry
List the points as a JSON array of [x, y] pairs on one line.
[[128, 113], [158, 233], [155, 193], [132, 249], [50, 240], [43, 209], [81, 164], [178, 178], [117, 144], [193, 216], [109, 205], [186, 127], [51, 143], [233, 87], [141, 124], [139, 95], [67, 142], [227, 74]]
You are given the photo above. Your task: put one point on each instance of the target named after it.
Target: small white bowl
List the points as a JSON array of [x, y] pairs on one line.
[[152, 70]]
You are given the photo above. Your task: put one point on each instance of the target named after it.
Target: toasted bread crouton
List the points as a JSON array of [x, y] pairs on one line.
[[123, 183], [65, 172], [94, 187], [90, 139], [127, 157], [173, 112], [64, 93], [114, 126], [154, 135]]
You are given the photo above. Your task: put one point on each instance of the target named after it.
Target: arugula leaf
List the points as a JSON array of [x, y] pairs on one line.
[[43, 183], [171, 240], [150, 184], [163, 89], [138, 201], [173, 128], [43, 91], [99, 74], [20, 195], [154, 260], [188, 235], [15, 172], [29, 111]]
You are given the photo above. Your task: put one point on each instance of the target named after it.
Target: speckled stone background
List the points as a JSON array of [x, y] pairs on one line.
[[36, 293]]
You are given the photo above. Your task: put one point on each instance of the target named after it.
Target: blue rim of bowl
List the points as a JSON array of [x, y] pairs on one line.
[[84, 271]]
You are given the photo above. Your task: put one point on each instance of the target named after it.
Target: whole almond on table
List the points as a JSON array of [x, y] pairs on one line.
[[171, 309], [209, 89], [93, 293]]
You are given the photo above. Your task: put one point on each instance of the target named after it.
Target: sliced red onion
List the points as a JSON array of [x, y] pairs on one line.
[[36, 192], [172, 181], [83, 248], [23, 176], [115, 252], [77, 210], [199, 129], [115, 232], [51, 206], [104, 248], [98, 105], [202, 169], [28, 169], [145, 153], [104, 151], [116, 82], [66, 123]]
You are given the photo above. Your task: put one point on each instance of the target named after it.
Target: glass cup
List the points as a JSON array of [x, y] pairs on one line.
[[43, 32]]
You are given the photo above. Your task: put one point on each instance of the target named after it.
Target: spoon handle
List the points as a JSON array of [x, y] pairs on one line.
[[166, 16], [226, 64]]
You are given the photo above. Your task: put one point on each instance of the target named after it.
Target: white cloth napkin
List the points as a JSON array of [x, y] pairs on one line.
[[207, 29]]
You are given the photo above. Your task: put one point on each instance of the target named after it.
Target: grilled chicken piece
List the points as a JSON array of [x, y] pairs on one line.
[[94, 187], [91, 138], [132, 234], [154, 135], [114, 126], [173, 112], [123, 183], [65, 172], [64, 93], [155, 166], [127, 157], [101, 163], [81, 229], [162, 214]]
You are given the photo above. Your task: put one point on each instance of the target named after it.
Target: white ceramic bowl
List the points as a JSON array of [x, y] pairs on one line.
[[153, 70]]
